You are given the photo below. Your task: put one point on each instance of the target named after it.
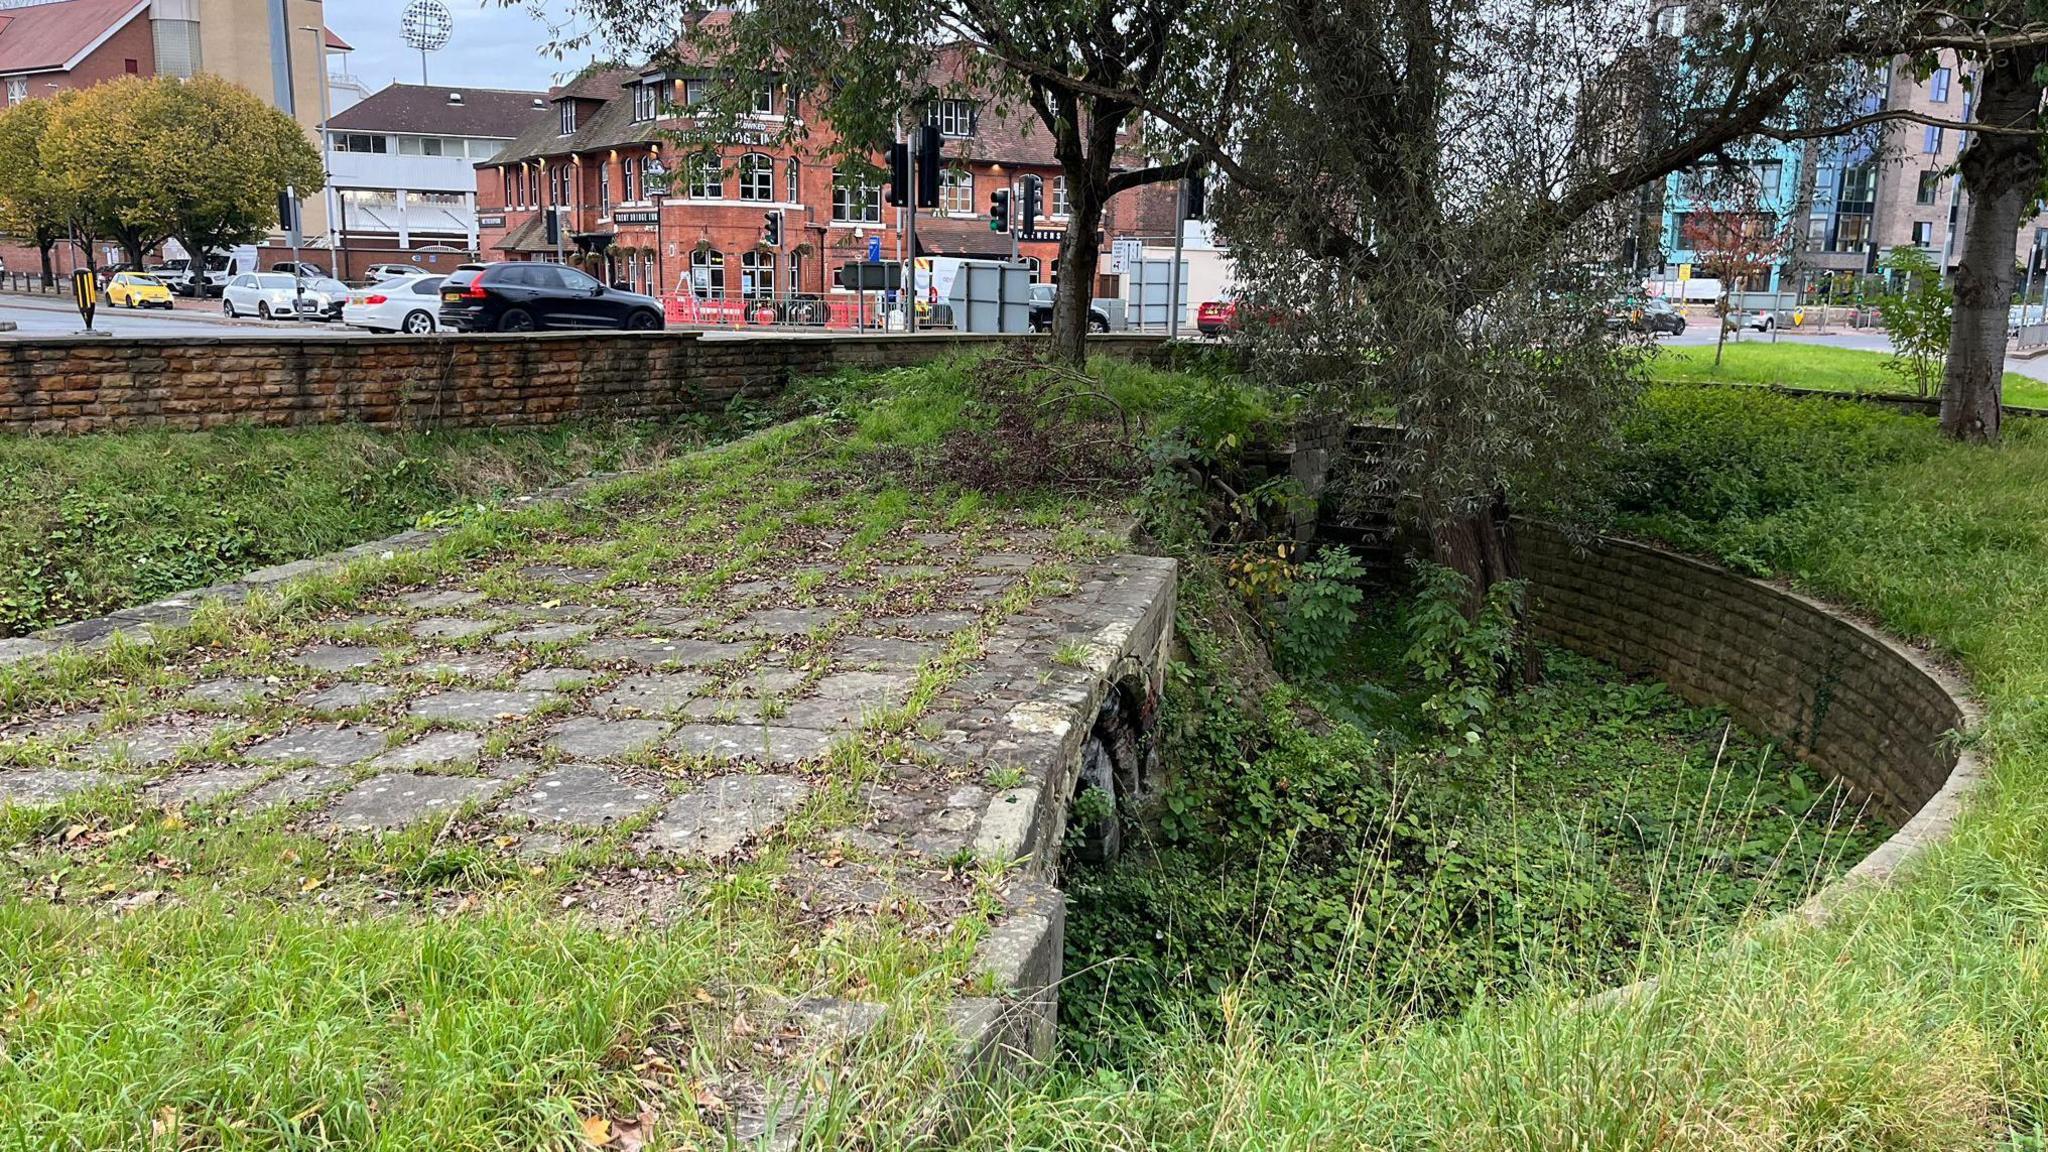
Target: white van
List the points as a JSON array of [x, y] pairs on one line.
[[222, 266]]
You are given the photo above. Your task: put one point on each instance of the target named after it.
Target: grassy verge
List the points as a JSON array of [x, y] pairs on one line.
[[1914, 1020], [1757, 360], [107, 521]]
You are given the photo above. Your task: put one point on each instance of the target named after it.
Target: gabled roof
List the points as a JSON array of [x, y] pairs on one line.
[[608, 126], [420, 109], [57, 37], [336, 43]]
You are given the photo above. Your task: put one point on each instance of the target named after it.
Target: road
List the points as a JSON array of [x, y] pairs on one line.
[[54, 316]]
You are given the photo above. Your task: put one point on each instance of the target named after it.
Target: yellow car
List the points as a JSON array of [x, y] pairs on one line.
[[135, 290]]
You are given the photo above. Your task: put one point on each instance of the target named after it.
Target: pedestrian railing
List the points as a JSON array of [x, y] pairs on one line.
[[839, 311]]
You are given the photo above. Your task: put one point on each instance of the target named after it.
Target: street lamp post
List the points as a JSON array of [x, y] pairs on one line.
[[326, 168]]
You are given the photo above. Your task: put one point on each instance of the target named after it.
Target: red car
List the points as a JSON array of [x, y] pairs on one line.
[[1215, 317]]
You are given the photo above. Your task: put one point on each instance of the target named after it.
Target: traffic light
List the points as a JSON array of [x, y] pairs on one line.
[[999, 210], [928, 164], [1032, 204], [287, 210], [1197, 192], [771, 229], [899, 174]]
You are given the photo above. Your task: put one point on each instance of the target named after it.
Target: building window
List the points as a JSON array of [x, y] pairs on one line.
[[1770, 177], [604, 189], [694, 92], [1671, 21], [568, 117], [796, 273], [1930, 141], [764, 100], [954, 118], [629, 172], [707, 274], [511, 186], [177, 46], [1937, 86], [17, 89], [132, 67], [796, 192], [532, 187], [956, 192], [358, 142], [854, 202], [757, 275], [1930, 187], [707, 179], [1059, 197], [646, 102], [1923, 233], [1034, 264], [757, 177]]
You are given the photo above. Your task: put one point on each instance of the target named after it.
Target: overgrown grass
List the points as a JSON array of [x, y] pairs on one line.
[[107, 521], [1798, 364], [1915, 1019]]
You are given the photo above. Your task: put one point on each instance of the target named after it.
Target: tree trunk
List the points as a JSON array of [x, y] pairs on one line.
[[49, 269], [1482, 548], [1079, 257], [2001, 173]]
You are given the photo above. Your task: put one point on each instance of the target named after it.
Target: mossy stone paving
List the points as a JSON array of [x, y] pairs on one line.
[[614, 721]]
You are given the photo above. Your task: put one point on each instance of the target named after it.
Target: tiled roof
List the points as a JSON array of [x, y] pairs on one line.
[[419, 109], [528, 237], [609, 126], [46, 37], [939, 236]]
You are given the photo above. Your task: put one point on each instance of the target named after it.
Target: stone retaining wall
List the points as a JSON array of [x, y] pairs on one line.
[[1841, 696], [75, 385]]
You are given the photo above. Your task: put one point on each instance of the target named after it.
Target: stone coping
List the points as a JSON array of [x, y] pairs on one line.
[[1640, 606]]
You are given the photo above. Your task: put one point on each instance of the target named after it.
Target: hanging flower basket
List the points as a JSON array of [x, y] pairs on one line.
[[648, 251], [803, 249], [704, 245]]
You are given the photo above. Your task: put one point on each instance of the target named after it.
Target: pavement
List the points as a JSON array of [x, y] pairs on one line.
[[55, 316]]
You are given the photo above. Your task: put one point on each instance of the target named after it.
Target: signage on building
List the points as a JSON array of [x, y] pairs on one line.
[[1041, 235], [654, 177], [874, 249], [490, 221], [636, 216], [1123, 254]]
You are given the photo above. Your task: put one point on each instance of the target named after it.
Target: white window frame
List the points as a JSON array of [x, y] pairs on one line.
[[956, 191], [845, 208], [953, 118], [757, 275], [646, 103], [17, 89], [712, 285], [1057, 206], [568, 117], [757, 176], [706, 177]]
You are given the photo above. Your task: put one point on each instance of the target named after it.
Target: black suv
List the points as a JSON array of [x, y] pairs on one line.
[[521, 296]]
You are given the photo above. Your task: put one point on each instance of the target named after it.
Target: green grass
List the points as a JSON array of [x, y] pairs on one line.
[[1796, 364], [1915, 1020], [107, 521]]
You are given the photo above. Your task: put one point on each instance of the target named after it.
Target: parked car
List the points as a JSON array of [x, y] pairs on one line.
[[522, 296], [1653, 315], [137, 290], [385, 273], [409, 304], [1756, 320], [333, 294], [271, 296], [1042, 296], [305, 268], [1215, 317]]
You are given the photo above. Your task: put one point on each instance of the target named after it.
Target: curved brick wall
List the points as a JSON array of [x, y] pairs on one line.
[[1861, 707]]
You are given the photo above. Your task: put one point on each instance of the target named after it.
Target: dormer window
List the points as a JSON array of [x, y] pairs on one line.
[[954, 118], [646, 103], [568, 117]]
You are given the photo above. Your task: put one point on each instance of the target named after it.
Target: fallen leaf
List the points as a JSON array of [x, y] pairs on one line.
[[174, 819], [311, 882], [597, 1131], [74, 832], [165, 1124]]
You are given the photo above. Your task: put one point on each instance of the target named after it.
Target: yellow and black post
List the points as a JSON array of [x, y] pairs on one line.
[[85, 292]]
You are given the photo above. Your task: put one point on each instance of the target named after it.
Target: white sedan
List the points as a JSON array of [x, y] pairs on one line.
[[272, 296], [410, 305]]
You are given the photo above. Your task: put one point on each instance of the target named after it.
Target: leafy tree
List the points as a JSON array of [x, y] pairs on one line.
[[33, 202], [1428, 200], [1734, 238], [206, 156], [107, 145], [865, 68], [1916, 317]]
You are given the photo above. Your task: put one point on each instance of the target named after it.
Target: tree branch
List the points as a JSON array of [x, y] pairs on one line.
[[1907, 115]]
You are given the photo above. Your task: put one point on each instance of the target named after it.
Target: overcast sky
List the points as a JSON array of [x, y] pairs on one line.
[[493, 46]]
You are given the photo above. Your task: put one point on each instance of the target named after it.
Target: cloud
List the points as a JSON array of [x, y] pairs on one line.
[[493, 46]]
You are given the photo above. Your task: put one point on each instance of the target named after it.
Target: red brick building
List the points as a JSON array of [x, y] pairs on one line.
[[658, 221]]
